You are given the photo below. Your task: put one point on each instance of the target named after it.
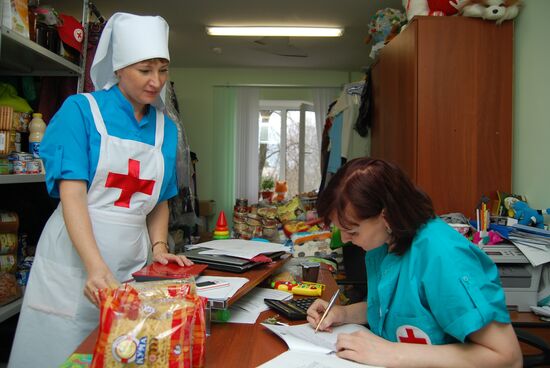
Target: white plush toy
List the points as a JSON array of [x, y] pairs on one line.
[[499, 10]]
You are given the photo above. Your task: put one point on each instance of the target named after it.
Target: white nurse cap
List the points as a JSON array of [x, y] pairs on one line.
[[128, 39]]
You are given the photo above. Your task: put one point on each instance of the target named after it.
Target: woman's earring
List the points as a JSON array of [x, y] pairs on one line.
[[388, 230]]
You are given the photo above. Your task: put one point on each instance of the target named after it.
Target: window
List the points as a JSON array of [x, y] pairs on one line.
[[288, 145]]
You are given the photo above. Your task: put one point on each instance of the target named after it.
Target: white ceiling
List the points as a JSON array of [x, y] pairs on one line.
[[190, 46]]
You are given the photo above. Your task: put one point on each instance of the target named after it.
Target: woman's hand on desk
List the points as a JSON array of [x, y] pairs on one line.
[[336, 315]]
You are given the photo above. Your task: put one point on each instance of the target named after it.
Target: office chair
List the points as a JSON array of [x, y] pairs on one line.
[[541, 359], [356, 275]]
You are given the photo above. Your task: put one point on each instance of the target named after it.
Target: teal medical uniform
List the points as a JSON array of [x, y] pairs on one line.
[[440, 291]]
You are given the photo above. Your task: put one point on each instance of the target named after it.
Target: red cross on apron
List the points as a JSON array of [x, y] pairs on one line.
[[129, 183], [412, 335]]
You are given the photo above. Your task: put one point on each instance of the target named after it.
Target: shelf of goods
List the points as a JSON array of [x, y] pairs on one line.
[[10, 309], [19, 56], [21, 178]]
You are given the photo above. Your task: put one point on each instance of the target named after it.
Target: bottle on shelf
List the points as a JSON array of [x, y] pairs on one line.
[[37, 127]]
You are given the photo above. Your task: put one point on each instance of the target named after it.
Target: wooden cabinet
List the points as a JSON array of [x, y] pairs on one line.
[[442, 92]]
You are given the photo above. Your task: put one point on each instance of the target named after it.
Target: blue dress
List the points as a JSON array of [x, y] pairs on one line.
[[440, 291], [70, 147]]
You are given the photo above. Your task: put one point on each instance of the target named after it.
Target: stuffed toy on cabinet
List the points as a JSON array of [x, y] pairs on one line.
[[430, 7], [497, 10]]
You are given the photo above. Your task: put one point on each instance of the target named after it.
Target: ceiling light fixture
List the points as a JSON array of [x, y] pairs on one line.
[[276, 31]]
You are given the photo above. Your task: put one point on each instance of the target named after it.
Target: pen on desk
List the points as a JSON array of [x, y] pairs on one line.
[[329, 306]]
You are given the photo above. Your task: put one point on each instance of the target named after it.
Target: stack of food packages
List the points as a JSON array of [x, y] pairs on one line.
[[154, 324], [9, 288], [294, 223], [12, 124]]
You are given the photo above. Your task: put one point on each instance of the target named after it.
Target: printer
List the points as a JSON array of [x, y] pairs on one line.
[[519, 278]]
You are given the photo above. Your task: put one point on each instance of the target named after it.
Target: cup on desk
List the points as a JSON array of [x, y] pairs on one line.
[[310, 271]]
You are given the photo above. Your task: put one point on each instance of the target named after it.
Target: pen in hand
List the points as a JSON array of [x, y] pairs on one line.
[[329, 306]]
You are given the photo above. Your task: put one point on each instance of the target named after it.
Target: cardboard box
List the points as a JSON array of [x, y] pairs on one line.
[[207, 207], [15, 16]]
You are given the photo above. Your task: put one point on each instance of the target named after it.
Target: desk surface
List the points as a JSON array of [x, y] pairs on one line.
[[249, 345], [240, 345]]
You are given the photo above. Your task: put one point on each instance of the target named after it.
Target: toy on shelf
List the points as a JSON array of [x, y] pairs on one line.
[[528, 216], [385, 24], [300, 288], [489, 9], [430, 7], [281, 188], [221, 231]]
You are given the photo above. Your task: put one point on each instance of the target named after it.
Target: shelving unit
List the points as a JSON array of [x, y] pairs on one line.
[[20, 56], [21, 178], [10, 309]]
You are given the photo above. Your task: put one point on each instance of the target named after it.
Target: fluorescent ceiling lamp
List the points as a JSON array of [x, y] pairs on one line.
[[275, 31]]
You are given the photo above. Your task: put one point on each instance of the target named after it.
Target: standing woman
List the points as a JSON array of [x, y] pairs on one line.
[[434, 298], [110, 156]]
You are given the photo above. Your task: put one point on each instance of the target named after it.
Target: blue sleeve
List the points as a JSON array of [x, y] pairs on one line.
[[65, 148], [462, 287], [169, 151]]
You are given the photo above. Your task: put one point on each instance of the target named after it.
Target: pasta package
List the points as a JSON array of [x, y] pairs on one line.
[[156, 324]]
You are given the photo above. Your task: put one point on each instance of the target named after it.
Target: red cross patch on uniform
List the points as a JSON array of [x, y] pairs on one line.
[[129, 183], [412, 335]]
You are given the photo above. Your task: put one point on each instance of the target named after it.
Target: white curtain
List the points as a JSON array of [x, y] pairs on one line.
[[322, 97], [247, 143]]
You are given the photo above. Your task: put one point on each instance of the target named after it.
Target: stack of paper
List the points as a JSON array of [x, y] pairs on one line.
[[246, 249], [248, 308], [536, 248]]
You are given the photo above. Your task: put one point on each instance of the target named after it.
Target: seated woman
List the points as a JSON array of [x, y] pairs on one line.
[[434, 298]]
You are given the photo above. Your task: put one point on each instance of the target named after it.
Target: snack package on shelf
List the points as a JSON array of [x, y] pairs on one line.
[[155, 324], [9, 288]]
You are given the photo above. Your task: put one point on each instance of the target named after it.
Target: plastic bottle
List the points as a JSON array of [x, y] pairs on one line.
[[37, 127]]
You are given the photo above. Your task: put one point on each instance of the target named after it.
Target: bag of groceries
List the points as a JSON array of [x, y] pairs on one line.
[[158, 324]]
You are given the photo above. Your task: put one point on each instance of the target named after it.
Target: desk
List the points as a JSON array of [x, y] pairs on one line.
[[240, 345], [532, 324], [246, 345]]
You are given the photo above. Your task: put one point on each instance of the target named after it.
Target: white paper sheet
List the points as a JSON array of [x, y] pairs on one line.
[[303, 337], [246, 249], [302, 359], [224, 293]]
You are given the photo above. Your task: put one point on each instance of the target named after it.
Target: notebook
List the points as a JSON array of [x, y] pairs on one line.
[[158, 271], [225, 263], [303, 337]]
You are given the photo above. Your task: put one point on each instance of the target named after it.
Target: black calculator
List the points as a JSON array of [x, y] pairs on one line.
[[294, 309]]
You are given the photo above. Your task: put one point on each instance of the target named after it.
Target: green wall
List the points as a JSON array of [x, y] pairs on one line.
[[195, 92], [531, 165], [531, 156]]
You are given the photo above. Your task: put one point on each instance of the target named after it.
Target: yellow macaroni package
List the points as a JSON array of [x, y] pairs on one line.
[[158, 324]]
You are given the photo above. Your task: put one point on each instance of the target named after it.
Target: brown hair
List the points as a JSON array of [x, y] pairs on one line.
[[364, 187]]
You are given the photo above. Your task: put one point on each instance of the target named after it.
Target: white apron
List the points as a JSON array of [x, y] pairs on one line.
[[56, 316]]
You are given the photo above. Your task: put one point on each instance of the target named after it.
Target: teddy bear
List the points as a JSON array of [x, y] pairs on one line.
[[430, 7], [528, 216], [498, 10]]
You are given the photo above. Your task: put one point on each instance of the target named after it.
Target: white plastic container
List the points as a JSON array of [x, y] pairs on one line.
[[37, 127]]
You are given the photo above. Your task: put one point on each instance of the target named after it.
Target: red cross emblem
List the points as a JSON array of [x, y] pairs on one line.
[[129, 183], [412, 335]]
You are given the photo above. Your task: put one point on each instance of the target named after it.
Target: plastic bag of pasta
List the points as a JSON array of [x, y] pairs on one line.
[[156, 325]]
